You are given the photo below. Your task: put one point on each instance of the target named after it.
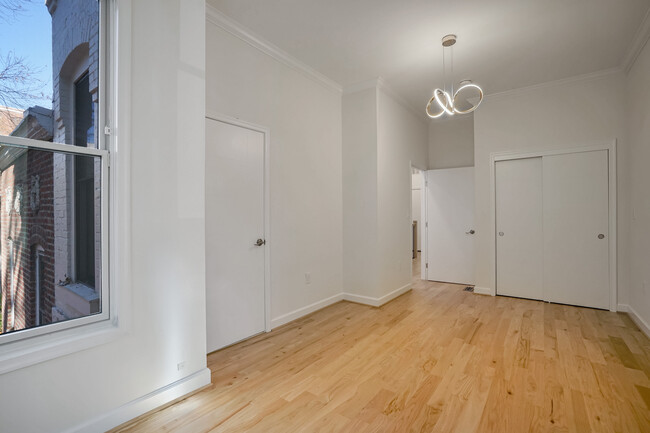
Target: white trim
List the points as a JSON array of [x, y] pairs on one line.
[[638, 43], [54, 147], [636, 318], [424, 237], [613, 258], [301, 312], [478, 290], [17, 342], [146, 403], [219, 117], [36, 350], [376, 302], [218, 18], [350, 297], [555, 83]]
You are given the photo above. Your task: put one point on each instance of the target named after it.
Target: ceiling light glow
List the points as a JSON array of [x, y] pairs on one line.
[[442, 98]]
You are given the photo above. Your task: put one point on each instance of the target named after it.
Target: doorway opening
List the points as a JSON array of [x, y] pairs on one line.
[[417, 220]]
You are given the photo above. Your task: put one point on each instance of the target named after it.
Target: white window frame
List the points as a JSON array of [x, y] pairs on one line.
[[35, 345], [105, 289]]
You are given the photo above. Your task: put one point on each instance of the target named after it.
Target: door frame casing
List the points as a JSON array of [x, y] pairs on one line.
[[425, 216], [610, 147], [422, 231], [224, 118]]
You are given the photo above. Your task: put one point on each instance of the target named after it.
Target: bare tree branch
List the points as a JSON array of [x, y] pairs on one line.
[[9, 9], [18, 85]]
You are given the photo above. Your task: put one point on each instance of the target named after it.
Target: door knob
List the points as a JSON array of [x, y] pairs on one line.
[[601, 236], [501, 233], [471, 232], [259, 242]]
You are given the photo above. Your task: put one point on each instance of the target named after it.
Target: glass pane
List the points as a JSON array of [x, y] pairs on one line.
[[50, 237], [49, 70]]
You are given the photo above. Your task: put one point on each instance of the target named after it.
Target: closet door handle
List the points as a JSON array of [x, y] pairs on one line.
[[601, 236], [471, 232]]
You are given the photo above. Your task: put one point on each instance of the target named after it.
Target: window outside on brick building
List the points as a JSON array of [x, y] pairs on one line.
[[50, 200]]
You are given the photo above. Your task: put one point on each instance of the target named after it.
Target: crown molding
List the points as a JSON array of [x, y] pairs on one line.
[[556, 83], [218, 18], [638, 43]]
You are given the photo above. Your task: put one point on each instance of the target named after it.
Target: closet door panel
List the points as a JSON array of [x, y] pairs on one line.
[[576, 224], [520, 237]]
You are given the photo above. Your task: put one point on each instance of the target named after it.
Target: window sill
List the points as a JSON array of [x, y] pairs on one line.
[[23, 353]]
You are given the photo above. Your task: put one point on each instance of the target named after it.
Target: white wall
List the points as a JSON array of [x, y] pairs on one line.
[[451, 142], [381, 139], [167, 289], [638, 126], [402, 140], [360, 231], [569, 114], [304, 119]]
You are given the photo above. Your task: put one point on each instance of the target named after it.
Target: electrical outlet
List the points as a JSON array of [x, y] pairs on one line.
[[307, 278], [180, 365]]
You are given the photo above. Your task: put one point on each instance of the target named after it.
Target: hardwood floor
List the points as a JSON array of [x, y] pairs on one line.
[[436, 359]]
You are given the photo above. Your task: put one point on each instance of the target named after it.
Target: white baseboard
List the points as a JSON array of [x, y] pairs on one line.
[[145, 403], [359, 299], [297, 314], [376, 302], [483, 291], [638, 320]]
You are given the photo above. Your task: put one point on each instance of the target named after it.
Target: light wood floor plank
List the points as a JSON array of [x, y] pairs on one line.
[[436, 359]]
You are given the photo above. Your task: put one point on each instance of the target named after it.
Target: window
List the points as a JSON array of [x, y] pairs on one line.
[[54, 164]]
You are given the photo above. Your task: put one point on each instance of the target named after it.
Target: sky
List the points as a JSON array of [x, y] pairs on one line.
[[29, 35]]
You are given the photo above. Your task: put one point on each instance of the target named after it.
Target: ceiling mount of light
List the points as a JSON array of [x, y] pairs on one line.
[[442, 101]]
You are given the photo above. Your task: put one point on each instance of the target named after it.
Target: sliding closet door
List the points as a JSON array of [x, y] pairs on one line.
[[576, 222], [520, 237]]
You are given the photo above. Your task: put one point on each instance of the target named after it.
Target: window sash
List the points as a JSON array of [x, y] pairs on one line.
[[105, 313]]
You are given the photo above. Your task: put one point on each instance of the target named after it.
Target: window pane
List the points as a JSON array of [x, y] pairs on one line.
[[49, 70], [50, 237]]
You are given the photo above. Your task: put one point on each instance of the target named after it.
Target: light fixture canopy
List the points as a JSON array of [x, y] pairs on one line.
[[442, 101]]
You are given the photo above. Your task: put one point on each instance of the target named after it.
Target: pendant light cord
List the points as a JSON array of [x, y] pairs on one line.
[[451, 72], [444, 71]]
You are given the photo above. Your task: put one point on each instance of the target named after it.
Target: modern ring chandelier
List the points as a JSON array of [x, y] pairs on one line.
[[442, 101]]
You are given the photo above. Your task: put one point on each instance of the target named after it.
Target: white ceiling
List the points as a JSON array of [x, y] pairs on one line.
[[502, 44]]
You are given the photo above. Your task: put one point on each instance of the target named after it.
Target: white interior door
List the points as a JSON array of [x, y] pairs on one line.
[[519, 222], [450, 228], [576, 228], [234, 219]]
